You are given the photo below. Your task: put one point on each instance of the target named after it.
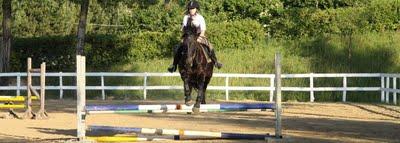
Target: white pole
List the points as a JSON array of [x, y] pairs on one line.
[[19, 84], [278, 110], [387, 86], [311, 87], [271, 92], [103, 93], [145, 86], [382, 88], [226, 88], [345, 89], [394, 93], [60, 78], [81, 97]]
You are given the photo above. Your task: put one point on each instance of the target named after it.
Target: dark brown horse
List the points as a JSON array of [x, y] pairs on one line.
[[195, 71]]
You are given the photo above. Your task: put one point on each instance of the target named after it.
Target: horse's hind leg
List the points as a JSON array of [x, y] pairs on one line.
[[188, 92]]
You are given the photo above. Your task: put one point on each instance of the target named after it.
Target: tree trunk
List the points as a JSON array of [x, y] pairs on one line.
[[82, 27], [6, 42]]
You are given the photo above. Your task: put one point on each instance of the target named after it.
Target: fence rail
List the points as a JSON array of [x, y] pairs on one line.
[[388, 83]]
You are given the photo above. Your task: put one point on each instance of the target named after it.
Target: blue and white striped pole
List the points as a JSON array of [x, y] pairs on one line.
[[180, 133], [236, 106]]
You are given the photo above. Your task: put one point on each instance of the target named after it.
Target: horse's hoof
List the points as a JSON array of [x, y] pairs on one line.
[[196, 110], [189, 103]]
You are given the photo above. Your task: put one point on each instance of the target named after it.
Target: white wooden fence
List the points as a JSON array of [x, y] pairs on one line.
[[388, 83]]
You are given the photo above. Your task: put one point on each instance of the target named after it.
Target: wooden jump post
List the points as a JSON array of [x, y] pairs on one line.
[[42, 114], [278, 93], [29, 114], [81, 96]]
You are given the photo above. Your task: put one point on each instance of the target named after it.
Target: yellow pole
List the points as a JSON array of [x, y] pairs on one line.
[[20, 106], [15, 98]]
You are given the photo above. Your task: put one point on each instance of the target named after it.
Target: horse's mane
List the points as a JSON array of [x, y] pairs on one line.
[[193, 50]]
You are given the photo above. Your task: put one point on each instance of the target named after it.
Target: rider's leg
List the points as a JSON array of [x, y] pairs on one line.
[[214, 57]]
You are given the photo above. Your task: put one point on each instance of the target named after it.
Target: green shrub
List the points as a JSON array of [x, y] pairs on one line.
[[56, 51], [241, 34]]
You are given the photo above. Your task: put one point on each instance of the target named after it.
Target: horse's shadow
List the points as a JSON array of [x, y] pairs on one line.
[[52, 131]]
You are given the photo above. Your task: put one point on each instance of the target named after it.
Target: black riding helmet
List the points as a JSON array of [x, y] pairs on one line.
[[193, 4]]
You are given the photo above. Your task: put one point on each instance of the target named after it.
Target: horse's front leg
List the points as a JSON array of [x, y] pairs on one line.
[[204, 95], [207, 81], [188, 92], [200, 97]]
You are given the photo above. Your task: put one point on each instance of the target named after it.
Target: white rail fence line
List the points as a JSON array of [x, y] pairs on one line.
[[386, 87]]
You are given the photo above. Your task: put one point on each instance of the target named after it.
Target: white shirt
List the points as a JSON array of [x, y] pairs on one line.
[[198, 21]]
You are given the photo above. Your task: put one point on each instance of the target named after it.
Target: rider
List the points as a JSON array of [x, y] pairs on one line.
[[194, 18]]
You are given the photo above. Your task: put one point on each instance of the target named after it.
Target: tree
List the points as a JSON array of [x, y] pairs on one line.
[[6, 42], [82, 26]]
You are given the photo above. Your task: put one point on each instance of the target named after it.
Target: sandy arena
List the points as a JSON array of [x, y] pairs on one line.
[[302, 122]]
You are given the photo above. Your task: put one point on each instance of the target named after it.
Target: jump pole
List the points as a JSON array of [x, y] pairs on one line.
[[169, 107], [12, 106], [181, 133], [130, 138], [15, 98], [168, 111]]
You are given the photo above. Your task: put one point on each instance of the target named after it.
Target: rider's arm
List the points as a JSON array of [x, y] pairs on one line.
[[202, 33], [184, 22], [202, 27]]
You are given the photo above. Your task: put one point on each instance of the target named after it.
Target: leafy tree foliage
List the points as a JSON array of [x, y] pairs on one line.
[[135, 30]]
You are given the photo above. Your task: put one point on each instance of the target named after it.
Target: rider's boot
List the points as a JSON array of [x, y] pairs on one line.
[[214, 58]]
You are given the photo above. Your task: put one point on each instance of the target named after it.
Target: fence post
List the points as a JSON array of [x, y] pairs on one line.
[[19, 84], [395, 88], [312, 87], [145, 86], [226, 88], [271, 92], [345, 89], [103, 92], [387, 86], [60, 78], [382, 88]]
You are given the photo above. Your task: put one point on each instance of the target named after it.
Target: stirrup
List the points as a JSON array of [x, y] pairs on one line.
[[218, 65], [172, 68]]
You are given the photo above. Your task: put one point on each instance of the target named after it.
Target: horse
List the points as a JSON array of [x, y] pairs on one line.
[[196, 72]]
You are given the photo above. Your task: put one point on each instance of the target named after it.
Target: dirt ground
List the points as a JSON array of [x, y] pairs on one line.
[[302, 122]]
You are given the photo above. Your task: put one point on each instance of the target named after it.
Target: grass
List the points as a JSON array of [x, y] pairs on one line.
[[357, 53]]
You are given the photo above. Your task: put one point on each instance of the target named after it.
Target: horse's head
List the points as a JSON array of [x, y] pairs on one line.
[[190, 49]]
